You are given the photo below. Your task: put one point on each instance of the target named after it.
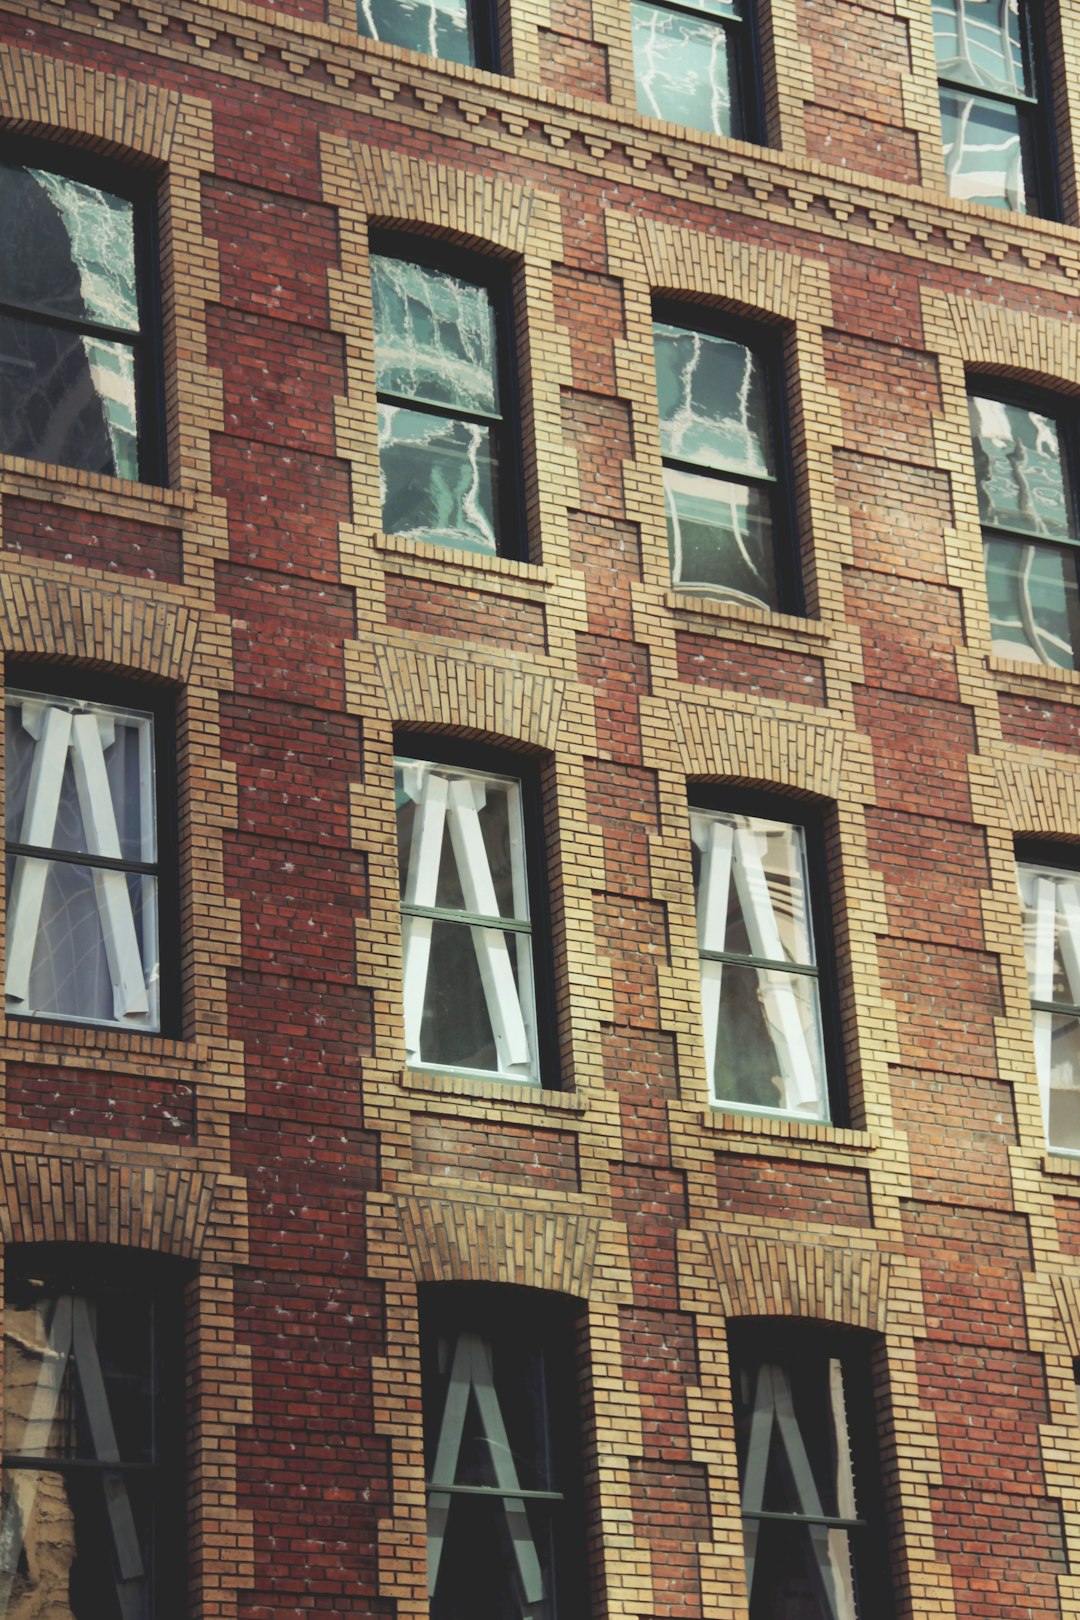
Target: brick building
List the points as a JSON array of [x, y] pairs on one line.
[[632, 442]]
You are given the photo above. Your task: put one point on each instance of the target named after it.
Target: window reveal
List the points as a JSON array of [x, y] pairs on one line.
[[72, 340], [1030, 533], [689, 64], [441, 423], [720, 486], [989, 107], [82, 874], [760, 995], [1051, 903], [467, 938]]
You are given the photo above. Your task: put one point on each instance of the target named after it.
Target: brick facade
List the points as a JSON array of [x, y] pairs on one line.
[[278, 1141]]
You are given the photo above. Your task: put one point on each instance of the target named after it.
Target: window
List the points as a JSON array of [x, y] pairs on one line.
[[503, 1459], [1050, 896], [87, 802], [994, 132], [470, 964], [456, 30], [91, 1526], [693, 64], [1024, 475], [77, 326], [446, 438], [760, 991], [809, 1474], [726, 517]]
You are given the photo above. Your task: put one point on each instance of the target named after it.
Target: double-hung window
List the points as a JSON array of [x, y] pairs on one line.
[[456, 30], [77, 330], [992, 125], [726, 512], [446, 438], [91, 1523], [1050, 896], [1024, 471], [502, 1444], [809, 1473], [693, 64], [467, 920], [760, 988], [86, 803]]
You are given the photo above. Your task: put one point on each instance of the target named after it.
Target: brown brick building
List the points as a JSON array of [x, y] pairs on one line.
[[638, 441]]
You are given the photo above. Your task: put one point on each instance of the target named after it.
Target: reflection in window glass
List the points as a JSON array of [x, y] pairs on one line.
[[69, 323], [1025, 500], [91, 1487], [686, 66], [467, 938], [811, 1520], [82, 934], [440, 416], [436, 27], [1050, 897], [988, 101], [759, 984], [719, 480], [502, 1456]]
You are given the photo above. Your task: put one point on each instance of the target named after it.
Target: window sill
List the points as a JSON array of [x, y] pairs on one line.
[[38, 1038], [1061, 1162], [1018, 675], [688, 604], [737, 1130], [97, 491], [516, 1094], [448, 558]]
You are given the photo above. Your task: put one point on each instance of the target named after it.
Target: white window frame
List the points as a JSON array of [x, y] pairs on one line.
[[449, 798], [729, 855], [68, 728]]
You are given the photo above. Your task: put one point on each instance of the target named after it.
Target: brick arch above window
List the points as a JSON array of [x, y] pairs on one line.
[[52, 1200]]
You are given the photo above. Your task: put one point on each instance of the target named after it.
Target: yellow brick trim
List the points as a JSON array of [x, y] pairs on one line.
[[500, 701], [757, 1278], [449, 1240], [742, 741], [136, 632], [47, 1199]]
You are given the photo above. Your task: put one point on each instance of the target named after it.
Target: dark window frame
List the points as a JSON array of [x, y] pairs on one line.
[[497, 276], [484, 35], [1046, 203], [768, 341], [555, 1323], [88, 1269], [139, 184], [753, 1340], [528, 769], [1064, 411], [813, 817], [161, 702], [749, 93]]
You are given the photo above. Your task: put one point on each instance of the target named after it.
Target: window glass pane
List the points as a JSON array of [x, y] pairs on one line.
[[685, 69], [93, 943], [1051, 905], [1063, 1033], [85, 1546], [437, 27], [720, 537], [713, 401], [70, 248], [792, 1426], [438, 479], [767, 908], [105, 774], [497, 809], [768, 1050], [1020, 470], [67, 398], [981, 42], [478, 1571], [435, 337], [1034, 604], [464, 995], [989, 151], [469, 1367], [801, 1570]]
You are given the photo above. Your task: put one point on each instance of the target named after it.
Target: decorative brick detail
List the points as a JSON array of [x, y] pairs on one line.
[[54, 1200], [448, 1241], [758, 1278], [499, 701]]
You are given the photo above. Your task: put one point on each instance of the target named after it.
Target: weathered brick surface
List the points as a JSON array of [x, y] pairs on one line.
[[785, 1190]]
